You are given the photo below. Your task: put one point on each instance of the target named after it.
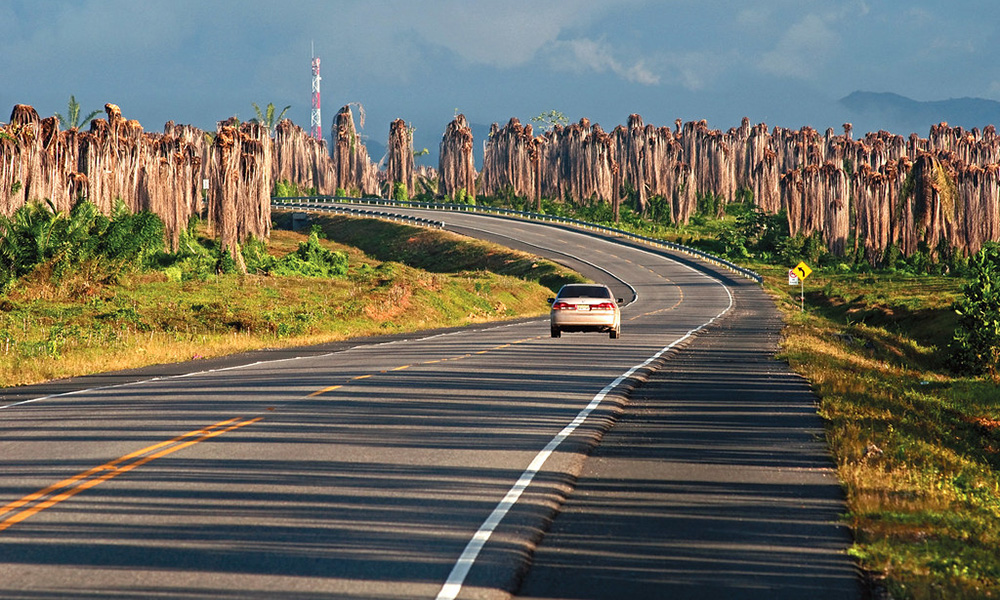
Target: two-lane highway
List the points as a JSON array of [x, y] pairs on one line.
[[419, 468]]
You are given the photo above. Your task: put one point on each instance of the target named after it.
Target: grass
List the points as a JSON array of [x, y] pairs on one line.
[[79, 326], [917, 449]]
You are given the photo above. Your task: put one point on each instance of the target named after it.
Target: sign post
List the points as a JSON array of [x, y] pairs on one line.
[[798, 275]]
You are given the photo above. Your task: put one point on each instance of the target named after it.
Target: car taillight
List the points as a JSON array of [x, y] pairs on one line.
[[602, 306], [563, 306]]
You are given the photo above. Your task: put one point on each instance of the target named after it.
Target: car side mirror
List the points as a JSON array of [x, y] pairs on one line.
[[551, 300], [619, 300]]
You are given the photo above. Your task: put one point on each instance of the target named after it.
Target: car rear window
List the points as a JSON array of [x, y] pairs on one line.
[[584, 291]]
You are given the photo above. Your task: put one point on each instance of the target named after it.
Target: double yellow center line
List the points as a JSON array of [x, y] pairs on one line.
[[54, 494]]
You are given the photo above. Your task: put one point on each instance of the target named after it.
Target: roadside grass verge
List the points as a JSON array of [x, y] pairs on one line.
[[917, 449], [439, 251], [78, 326]]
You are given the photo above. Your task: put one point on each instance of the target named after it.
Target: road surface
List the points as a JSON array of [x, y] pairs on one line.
[[423, 466]]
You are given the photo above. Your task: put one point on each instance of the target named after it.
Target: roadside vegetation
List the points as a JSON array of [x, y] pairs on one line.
[[916, 445], [88, 293]]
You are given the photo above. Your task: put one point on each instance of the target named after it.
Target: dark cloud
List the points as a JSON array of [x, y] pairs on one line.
[[784, 61]]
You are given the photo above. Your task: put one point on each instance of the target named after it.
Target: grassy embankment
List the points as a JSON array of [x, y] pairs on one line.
[[429, 279]]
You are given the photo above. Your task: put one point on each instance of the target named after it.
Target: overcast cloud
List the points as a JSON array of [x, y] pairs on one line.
[[783, 62]]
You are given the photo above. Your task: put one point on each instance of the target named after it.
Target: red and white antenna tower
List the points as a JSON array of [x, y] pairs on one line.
[[316, 120]]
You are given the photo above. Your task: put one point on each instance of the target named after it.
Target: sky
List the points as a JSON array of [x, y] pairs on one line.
[[786, 63]]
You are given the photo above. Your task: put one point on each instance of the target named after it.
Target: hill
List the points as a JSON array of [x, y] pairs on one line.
[[900, 114]]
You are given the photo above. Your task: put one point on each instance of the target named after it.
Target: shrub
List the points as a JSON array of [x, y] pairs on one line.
[[975, 347], [256, 257], [399, 193], [658, 209], [37, 234], [708, 204], [287, 189], [312, 260], [174, 274], [131, 238], [462, 196]]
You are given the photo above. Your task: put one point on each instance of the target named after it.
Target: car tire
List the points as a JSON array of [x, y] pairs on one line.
[[615, 334], [556, 333]]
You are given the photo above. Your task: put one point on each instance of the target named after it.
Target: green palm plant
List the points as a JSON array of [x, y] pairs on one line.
[[25, 239], [266, 117], [72, 118], [37, 234]]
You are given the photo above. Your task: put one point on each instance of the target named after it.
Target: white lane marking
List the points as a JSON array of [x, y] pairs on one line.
[[456, 579]]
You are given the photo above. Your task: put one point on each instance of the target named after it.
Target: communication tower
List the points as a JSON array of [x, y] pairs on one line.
[[316, 121]]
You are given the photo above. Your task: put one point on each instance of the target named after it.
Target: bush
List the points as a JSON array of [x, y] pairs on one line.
[[37, 234], [658, 209], [708, 204], [256, 257], [463, 197], [174, 274], [312, 260], [807, 248], [399, 193], [975, 347], [131, 238], [287, 189]]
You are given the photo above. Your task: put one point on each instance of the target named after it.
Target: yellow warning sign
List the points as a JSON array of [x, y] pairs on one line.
[[802, 270]]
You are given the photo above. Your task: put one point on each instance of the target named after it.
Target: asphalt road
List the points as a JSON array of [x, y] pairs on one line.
[[715, 482], [406, 467]]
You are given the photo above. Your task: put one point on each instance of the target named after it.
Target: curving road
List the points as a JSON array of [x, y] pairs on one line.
[[424, 466]]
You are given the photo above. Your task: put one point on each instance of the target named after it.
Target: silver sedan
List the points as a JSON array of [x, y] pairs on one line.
[[585, 307]]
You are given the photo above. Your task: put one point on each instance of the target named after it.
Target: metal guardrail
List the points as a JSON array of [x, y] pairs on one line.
[[322, 203], [356, 212]]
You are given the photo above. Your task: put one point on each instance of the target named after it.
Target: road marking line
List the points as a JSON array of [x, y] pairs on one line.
[[66, 482], [85, 480], [456, 579], [324, 390], [478, 329]]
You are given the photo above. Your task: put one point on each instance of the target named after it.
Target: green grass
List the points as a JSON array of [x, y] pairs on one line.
[[440, 251], [76, 326]]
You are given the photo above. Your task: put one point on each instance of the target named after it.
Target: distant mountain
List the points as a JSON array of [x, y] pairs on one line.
[[903, 115], [376, 149]]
